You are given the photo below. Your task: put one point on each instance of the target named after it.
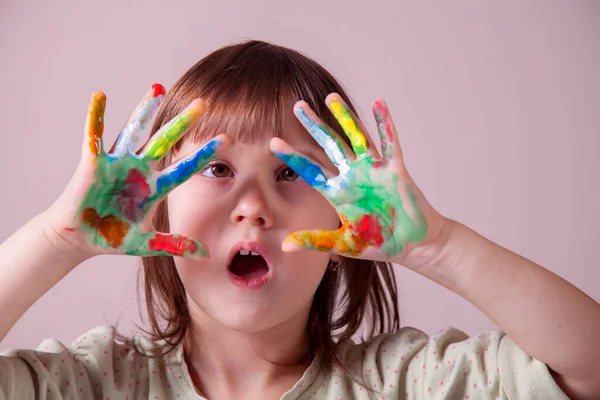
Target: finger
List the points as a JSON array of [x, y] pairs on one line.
[[350, 123], [177, 173], [390, 144], [94, 125], [169, 134], [131, 137], [334, 146], [308, 170], [166, 244], [320, 240]]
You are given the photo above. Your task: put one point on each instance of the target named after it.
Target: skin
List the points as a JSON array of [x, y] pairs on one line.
[[113, 213], [233, 327], [546, 316], [381, 209]]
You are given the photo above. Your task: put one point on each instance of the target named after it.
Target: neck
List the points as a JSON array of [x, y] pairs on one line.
[[225, 363]]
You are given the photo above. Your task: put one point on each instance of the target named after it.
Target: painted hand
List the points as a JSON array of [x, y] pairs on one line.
[[382, 211], [113, 216]]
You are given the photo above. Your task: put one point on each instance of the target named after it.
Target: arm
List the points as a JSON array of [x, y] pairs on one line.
[[546, 316], [386, 217], [105, 208], [31, 262]]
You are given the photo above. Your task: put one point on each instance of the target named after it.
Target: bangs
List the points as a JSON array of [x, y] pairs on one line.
[[250, 90], [244, 113]]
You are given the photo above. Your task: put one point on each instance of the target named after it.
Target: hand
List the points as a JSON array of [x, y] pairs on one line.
[[106, 208], [383, 213]]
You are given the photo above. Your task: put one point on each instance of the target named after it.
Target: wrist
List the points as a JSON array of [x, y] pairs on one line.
[[445, 259], [63, 251]]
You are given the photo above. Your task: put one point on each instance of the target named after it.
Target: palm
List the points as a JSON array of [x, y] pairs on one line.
[[114, 214], [366, 212], [381, 209]]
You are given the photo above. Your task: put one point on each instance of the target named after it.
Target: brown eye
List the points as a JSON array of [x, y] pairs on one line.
[[217, 171], [289, 175]]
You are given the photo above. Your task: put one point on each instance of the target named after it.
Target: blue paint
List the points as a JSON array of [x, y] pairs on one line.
[[326, 139], [310, 172], [186, 168]]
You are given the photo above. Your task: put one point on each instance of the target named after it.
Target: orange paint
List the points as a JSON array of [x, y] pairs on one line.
[[111, 228], [349, 239], [95, 125]]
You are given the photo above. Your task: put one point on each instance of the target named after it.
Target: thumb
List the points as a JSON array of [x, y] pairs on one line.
[[319, 240], [94, 128], [167, 244]]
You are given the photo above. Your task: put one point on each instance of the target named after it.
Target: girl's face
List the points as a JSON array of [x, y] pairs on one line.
[[247, 199]]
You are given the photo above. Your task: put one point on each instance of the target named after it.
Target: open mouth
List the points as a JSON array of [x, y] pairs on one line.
[[248, 265]]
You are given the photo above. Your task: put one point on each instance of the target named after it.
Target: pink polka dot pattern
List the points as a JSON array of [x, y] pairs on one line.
[[407, 364]]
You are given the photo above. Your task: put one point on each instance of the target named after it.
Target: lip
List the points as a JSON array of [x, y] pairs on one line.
[[250, 283]]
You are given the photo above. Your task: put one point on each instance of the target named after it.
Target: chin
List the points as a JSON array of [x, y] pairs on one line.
[[246, 318]]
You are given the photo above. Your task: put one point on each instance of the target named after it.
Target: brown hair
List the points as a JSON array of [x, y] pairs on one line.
[[248, 87]]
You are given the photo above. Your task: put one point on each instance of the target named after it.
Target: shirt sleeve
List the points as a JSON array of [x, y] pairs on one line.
[[411, 365], [523, 377], [93, 366]]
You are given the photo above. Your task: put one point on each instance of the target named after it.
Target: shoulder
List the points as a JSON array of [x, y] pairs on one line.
[[447, 363], [100, 361], [409, 341]]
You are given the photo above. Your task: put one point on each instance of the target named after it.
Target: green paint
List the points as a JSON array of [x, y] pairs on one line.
[[166, 138], [366, 196]]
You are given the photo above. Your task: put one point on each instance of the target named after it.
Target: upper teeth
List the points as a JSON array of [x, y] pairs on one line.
[[246, 252]]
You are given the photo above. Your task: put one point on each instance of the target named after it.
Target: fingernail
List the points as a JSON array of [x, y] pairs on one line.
[[289, 245]]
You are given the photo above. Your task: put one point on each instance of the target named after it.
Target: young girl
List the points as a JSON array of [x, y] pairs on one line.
[[283, 235]]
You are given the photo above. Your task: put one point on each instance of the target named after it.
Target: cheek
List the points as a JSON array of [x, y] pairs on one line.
[[310, 209], [306, 271], [189, 210]]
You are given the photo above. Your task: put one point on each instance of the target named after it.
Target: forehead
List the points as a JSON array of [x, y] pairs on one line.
[[299, 138], [246, 128]]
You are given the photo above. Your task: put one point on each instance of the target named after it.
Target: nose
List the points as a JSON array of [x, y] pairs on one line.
[[252, 209]]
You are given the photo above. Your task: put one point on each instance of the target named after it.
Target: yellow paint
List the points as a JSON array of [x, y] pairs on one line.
[[357, 138]]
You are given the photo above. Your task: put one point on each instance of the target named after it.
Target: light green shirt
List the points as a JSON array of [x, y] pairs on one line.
[[404, 365]]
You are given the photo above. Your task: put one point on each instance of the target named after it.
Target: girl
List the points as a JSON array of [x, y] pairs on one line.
[[283, 235]]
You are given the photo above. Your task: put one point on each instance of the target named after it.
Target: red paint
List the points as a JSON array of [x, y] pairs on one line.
[[111, 228], [380, 163], [132, 195], [158, 89], [368, 228], [385, 118], [176, 245]]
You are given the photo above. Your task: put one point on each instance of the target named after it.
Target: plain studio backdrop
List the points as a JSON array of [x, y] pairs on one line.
[[497, 105]]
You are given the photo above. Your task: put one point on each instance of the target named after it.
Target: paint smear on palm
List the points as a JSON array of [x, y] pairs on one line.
[[124, 188], [120, 199], [114, 201], [377, 219], [113, 208], [367, 197]]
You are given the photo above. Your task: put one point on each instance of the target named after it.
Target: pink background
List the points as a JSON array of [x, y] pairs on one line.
[[498, 108]]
